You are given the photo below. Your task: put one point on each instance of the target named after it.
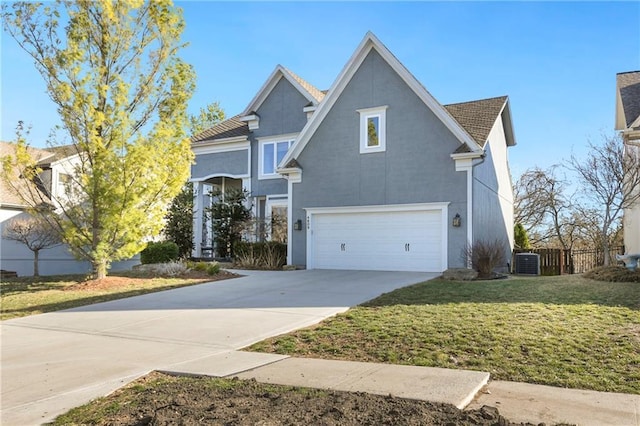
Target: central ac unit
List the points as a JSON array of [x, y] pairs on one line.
[[527, 264]]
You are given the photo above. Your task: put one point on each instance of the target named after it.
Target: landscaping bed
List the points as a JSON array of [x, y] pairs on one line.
[[159, 399]]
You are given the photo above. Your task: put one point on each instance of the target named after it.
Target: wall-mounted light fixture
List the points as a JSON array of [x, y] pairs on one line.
[[297, 225], [457, 221]]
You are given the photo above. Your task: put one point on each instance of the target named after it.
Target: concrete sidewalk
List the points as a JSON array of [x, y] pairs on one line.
[[518, 402]]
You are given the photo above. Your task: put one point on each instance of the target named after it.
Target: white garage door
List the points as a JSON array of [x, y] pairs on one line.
[[385, 241]]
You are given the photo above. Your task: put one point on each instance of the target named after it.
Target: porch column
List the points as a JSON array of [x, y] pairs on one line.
[[198, 210]]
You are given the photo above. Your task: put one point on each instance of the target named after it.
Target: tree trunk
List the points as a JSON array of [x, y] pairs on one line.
[[607, 259], [36, 272], [99, 269]]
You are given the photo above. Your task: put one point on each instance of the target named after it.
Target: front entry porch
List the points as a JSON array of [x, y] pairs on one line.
[[205, 192]]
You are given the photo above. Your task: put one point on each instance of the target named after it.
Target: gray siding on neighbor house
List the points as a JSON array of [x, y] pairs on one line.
[[233, 163], [280, 114], [415, 168], [57, 260]]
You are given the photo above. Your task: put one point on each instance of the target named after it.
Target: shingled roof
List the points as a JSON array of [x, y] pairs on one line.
[[477, 117], [229, 128], [314, 91], [628, 85]]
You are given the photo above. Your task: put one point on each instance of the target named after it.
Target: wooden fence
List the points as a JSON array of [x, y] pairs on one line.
[[560, 261]]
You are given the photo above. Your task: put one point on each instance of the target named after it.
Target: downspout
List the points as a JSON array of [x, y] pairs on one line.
[[465, 162]]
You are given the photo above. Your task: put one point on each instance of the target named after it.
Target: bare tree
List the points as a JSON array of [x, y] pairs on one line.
[[35, 233], [542, 206], [608, 178]]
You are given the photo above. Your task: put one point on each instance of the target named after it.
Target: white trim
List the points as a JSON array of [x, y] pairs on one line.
[[290, 138], [197, 222], [466, 156], [278, 200], [378, 208], [252, 120], [369, 43], [293, 176], [276, 138], [443, 207], [222, 146], [365, 114], [215, 175], [465, 164]]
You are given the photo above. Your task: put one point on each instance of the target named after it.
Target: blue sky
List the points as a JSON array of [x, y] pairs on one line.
[[556, 61]]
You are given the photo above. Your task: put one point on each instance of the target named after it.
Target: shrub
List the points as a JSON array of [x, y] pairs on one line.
[[268, 255], [213, 268], [485, 256], [169, 269], [160, 252]]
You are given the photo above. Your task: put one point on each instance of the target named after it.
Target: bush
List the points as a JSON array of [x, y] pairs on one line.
[[161, 252], [211, 268], [485, 256], [169, 269], [269, 255]]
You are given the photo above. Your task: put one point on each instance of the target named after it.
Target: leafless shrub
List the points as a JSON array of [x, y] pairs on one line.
[[485, 256]]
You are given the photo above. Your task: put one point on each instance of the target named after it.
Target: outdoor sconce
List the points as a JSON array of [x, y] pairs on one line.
[[297, 225], [457, 221]]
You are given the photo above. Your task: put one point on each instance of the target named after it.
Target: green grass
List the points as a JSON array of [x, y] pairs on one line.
[[28, 295], [563, 331]]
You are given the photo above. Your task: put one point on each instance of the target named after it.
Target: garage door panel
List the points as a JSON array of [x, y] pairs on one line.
[[409, 241]]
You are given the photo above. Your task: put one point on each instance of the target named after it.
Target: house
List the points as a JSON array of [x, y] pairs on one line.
[[628, 124], [374, 173], [56, 166]]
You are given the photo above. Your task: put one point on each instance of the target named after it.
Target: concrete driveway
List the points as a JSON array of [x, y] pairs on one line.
[[56, 361]]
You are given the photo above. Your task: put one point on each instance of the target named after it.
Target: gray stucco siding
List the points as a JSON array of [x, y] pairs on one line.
[[489, 222], [280, 114], [233, 163], [282, 111], [415, 168]]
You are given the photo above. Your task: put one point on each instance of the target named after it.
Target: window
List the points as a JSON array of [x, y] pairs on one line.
[[271, 154], [373, 129]]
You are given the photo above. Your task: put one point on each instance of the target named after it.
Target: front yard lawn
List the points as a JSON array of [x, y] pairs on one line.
[[35, 295], [564, 331]]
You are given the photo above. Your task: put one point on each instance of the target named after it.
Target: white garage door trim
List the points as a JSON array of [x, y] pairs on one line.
[[314, 212]]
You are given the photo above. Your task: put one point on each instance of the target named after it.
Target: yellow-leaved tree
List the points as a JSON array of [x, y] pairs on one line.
[[113, 71]]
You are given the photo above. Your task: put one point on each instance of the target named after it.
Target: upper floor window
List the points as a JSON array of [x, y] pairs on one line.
[[272, 151], [373, 129]]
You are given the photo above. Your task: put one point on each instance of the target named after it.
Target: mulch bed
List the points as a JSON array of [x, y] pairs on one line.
[[115, 281]]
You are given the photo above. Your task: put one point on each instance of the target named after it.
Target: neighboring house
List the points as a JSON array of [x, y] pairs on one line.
[[374, 173], [628, 123], [57, 165]]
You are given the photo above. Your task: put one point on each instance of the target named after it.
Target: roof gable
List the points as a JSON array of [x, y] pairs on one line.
[[311, 93], [370, 42], [627, 100]]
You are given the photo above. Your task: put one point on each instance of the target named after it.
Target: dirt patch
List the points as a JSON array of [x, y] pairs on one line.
[[614, 274], [115, 281], [158, 399]]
